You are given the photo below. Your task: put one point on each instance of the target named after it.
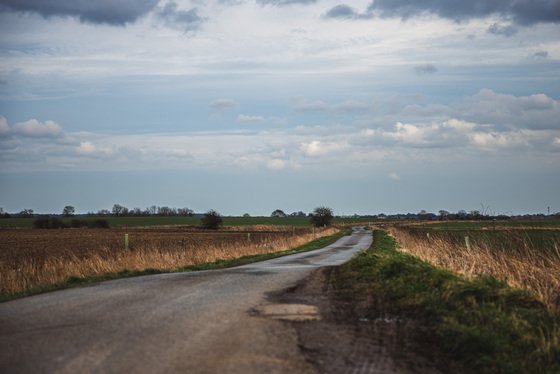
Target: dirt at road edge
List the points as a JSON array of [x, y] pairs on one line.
[[356, 334]]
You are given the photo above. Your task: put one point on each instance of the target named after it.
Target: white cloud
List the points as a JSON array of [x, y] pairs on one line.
[[36, 129], [394, 176], [4, 128], [318, 148], [89, 149], [276, 164], [179, 152], [537, 111]]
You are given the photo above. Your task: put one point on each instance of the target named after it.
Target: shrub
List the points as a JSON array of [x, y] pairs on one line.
[[46, 222], [321, 216], [100, 224], [77, 223], [212, 220]]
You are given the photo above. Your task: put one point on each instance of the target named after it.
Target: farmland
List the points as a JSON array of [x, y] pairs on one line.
[[525, 253], [32, 257], [174, 221]]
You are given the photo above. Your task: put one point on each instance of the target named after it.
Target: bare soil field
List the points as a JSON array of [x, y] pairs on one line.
[[30, 257]]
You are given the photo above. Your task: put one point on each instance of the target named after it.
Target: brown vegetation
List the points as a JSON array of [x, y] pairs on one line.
[[31, 257], [518, 264]]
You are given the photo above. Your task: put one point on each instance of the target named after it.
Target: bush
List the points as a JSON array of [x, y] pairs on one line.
[[100, 224], [321, 216], [77, 223], [212, 220], [46, 222]]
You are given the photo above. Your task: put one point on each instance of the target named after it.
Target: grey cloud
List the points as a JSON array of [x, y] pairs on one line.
[[522, 12], [188, 20], [317, 106], [286, 2], [501, 112], [425, 69], [3, 82], [343, 11], [223, 104], [250, 119], [498, 29], [117, 13], [350, 106], [353, 106], [539, 55]]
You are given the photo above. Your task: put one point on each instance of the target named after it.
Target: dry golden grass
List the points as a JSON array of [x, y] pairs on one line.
[[519, 267], [30, 271]]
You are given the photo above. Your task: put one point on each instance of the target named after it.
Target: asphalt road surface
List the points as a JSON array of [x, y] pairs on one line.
[[219, 321]]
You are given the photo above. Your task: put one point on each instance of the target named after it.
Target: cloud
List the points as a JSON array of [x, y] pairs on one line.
[[353, 106], [89, 149], [223, 104], [540, 55], [317, 106], [4, 128], [425, 69], [502, 111], [394, 176], [318, 148], [36, 129], [349, 106], [250, 119], [116, 13], [498, 29], [343, 11], [521, 12], [187, 20], [3, 82], [276, 164], [286, 2], [180, 153], [214, 117]]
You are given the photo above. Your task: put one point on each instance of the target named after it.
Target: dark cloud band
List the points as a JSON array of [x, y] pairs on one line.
[[117, 13], [523, 12]]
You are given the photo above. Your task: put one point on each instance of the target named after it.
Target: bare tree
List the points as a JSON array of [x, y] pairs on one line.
[[26, 213], [185, 212], [118, 210], [321, 216]]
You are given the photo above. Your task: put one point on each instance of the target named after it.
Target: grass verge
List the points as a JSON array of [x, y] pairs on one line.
[[73, 280], [479, 322]]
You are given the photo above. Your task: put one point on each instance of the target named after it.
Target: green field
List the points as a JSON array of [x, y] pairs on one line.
[[479, 321], [167, 221], [510, 223]]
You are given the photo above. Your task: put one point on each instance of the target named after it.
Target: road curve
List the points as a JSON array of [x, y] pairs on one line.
[[198, 322]]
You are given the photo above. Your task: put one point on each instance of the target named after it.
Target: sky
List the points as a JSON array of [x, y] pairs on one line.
[[248, 106]]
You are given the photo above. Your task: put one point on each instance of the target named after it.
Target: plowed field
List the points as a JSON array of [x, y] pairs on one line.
[[30, 257]]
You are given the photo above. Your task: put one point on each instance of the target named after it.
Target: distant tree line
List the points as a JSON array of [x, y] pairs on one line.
[[151, 211], [165, 211], [280, 213]]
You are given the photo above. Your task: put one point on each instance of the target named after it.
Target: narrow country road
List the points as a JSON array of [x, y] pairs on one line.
[[200, 322]]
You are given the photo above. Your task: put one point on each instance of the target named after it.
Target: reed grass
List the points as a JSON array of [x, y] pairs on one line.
[[518, 264], [168, 255]]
